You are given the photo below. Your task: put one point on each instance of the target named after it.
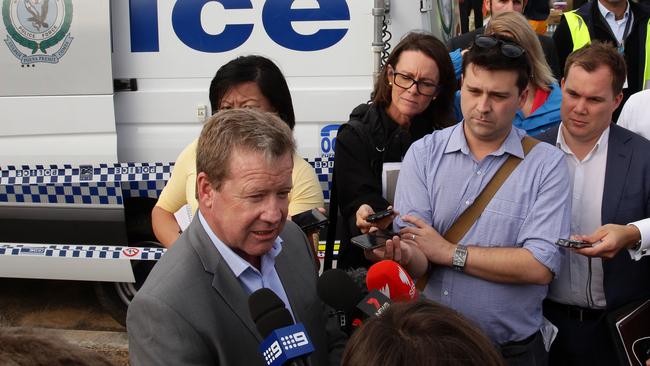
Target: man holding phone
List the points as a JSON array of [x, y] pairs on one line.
[[497, 274], [611, 185]]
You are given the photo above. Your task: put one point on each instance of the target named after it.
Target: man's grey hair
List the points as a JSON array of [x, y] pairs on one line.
[[244, 130]]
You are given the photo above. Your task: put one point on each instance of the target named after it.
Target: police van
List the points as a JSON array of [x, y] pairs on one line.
[[97, 98]]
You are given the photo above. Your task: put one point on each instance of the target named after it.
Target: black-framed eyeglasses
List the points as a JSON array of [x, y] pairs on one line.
[[508, 48], [424, 87]]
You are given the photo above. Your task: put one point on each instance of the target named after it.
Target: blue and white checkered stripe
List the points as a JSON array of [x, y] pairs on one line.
[[99, 193], [82, 251], [104, 184], [324, 168], [54, 174]]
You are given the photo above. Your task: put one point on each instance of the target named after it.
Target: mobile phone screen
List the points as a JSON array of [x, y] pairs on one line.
[[379, 215], [310, 220], [372, 240]]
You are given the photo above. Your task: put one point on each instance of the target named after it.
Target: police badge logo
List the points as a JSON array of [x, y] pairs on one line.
[[38, 26]]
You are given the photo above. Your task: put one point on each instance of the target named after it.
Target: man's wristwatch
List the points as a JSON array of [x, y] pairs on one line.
[[459, 258]]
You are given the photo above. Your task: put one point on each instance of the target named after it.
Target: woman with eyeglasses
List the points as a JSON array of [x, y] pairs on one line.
[[413, 96], [542, 108], [244, 82]]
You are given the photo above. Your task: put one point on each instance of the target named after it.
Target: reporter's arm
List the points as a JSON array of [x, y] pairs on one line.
[[496, 264], [609, 239], [174, 196], [165, 226]]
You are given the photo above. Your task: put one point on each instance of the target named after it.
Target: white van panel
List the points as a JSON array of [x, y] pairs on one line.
[[85, 68], [57, 130]]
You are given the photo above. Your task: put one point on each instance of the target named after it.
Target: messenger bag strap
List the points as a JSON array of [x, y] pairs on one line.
[[467, 219]]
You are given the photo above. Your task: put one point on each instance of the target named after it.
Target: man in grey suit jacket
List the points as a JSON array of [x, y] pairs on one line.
[[465, 40], [611, 185], [193, 308]]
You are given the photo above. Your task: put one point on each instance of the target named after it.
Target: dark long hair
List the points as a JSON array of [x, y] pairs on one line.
[[264, 73], [440, 110]]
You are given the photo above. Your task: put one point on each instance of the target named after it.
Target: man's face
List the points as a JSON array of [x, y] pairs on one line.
[[502, 6], [250, 209], [489, 101], [588, 102]]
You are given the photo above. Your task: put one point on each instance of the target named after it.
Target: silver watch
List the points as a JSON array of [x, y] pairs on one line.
[[459, 258]]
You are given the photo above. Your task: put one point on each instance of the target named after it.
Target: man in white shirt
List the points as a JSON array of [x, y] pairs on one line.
[[634, 115], [611, 185]]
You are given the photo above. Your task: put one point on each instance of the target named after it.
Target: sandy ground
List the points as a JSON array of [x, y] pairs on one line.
[[66, 309]]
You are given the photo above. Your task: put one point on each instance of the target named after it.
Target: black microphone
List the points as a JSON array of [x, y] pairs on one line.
[[339, 291], [285, 343]]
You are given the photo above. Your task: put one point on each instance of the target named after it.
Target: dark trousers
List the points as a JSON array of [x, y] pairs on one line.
[[583, 339], [529, 352], [465, 8]]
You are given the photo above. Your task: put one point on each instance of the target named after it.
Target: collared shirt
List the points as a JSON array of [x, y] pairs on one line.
[[644, 249], [248, 276], [618, 27], [579, 284], [440, 178]]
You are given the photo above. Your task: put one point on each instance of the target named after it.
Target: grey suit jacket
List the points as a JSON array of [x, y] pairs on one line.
[[193, 311]]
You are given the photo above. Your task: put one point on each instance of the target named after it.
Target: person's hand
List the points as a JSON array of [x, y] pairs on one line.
[[609, 239], [396, 249], [365, 226], [436, 248]]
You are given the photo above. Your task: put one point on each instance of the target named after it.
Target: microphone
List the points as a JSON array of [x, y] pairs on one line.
[[392, 280], [285, 343], [358, 275], [339, 291]]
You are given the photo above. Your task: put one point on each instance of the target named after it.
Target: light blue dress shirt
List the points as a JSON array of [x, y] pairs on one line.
[[440, 178], [248, 276]]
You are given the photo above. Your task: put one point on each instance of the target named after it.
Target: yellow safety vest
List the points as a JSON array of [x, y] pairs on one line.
[[580, 37]]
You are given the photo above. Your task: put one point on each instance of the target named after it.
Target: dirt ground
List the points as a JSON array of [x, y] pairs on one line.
[[61, 305]]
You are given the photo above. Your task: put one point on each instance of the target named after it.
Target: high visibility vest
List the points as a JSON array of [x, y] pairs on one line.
[[580, 37]]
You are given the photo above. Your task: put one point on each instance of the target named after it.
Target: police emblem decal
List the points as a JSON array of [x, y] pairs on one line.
[[37, 26]]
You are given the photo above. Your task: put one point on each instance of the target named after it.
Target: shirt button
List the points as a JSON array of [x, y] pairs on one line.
[[445, 292], [467, 202], [478, 173]]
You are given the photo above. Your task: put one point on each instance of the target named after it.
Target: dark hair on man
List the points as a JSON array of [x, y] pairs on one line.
[[595, 55], [440, 110], [493, 59], [245, 129], [22, 347], [264, 73], [420, 333]]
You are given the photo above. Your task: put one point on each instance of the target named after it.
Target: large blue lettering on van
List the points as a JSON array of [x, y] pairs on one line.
[[277, 18], [186, 19]]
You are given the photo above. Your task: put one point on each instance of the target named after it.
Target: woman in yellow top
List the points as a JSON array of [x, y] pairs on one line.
[[245, 82]]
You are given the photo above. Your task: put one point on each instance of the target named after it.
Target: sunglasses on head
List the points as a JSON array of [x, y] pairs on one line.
[[508, 48]]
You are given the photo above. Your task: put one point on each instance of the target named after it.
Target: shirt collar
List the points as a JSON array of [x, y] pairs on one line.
[[511, 145], [602, 142], [236, 263], [608, 14]]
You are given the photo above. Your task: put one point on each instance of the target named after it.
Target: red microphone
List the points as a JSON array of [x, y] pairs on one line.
[[391, 279]]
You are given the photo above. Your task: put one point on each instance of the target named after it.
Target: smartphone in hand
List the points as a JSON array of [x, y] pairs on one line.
[[310, 220], [379, 215], [372, 240], [577, 244]]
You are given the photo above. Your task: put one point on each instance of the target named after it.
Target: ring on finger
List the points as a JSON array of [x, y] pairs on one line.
[[413, 237]]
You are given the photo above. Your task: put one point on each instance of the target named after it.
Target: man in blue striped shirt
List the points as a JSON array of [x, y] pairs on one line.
[[497, 275]]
